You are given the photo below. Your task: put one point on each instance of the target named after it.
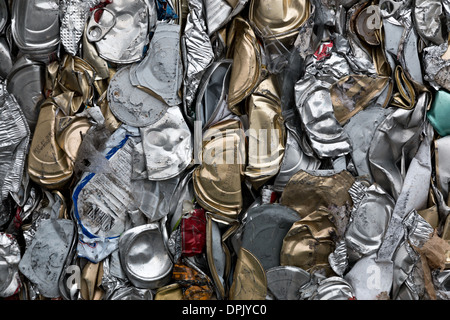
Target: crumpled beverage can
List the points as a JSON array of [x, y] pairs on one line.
[[193, 233]]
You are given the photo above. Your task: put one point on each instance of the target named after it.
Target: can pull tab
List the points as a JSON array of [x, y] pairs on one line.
[[389, 7], [97, 30]]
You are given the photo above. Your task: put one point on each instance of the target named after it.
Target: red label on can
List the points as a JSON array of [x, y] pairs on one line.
[[193, 233], [323, 51]]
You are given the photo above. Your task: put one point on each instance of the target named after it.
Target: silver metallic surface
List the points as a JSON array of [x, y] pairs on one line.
[[35, 27], [368, 223], [220, 12], [333, 288], [414, 195], [294, 159], [10, 257], [360, 129], [125, 41], [132, 293], [102, 200], [3, 15], [437, 68], [394, 144], [14, 142], [326, 135], [267, 223], [198, 52], [428, 16], [132, 105], [284, 282], [211, 104], [144, 257], [408, 282], [74, 16], [338, 259], [6, 59], [369, 278], [161, 71], [442, 153], [167, 145], [26, 82], [43, 261]]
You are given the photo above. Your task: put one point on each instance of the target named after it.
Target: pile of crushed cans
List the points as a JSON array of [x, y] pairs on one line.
[[224, 150]]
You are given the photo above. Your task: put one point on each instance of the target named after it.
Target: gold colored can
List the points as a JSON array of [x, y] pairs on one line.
[[305, 191], [309, 242], [247, 70], [266, 138], [217, 181], [48, 164], [70, 135], [281, 19], [91, 279], [170, 292], [249, 280]]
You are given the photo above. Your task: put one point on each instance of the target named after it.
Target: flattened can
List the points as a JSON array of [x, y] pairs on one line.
[[144, 257], [121, 32]]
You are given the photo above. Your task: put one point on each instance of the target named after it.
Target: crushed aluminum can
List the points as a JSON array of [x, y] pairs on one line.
[[309, 242], [267, 222], [48, 164], [73, 20], [360, 129], [4, 15], [369, 221], [198, 51], [249, 279], [294, 159], [6, 59], [144, 257], [39, 37], [193, 233], [323, 190], [26, 81], [217, 181], [101, 221], [132, 293], [220, 12], [218, 255], [161, 71], [132, 105], [195, 283], [284, 282], [14, 142], [42, 262], [333, 288], [10, 257], [167, 145], [283, 19], [441, 149], [211, 105], [121, 32], [247, 70], [266, 133]]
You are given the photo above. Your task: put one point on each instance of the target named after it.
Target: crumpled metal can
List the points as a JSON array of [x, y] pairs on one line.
[[224, 150]]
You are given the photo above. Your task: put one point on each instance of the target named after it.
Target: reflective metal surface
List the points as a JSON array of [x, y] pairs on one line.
[[284, 282], [126, 24], [167, 145], [144, 258], [35, 27], [131, 104], [267, 223]]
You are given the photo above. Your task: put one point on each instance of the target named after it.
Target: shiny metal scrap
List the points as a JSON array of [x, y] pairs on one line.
[[144, 257]]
